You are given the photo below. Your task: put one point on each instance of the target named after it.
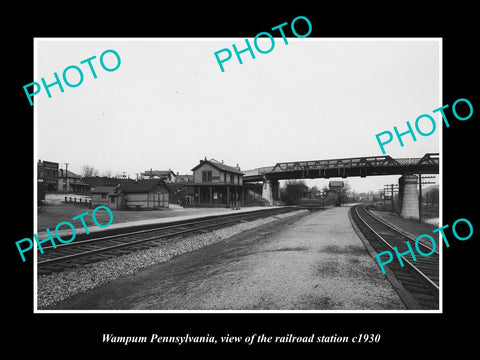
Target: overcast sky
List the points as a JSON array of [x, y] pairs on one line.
[[168, 105]]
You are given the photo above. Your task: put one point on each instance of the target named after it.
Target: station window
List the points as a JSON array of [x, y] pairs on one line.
[[206, 176]]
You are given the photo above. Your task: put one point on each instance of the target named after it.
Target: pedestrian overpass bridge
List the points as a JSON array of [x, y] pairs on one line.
[[346, 167]]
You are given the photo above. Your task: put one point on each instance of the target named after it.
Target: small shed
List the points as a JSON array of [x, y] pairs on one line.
[[141, 194], [100, 196]]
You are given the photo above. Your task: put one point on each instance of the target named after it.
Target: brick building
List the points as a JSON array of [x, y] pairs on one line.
[[47, 173]]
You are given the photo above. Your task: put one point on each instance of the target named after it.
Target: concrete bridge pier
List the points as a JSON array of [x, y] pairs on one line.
[[271, 190], [408, 197]]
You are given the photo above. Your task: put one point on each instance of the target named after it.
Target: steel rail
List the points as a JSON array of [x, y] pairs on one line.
[[400, 232], [429, 282], [179, 223], [122, 245], [232, 220]]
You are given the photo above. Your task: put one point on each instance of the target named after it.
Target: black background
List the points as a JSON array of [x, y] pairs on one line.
[[58, 335]]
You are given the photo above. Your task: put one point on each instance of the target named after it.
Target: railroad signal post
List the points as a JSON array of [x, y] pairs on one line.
[[392, 188]]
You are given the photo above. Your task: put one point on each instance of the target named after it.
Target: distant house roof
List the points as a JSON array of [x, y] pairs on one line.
[[100, 181], [78, 182], [158, 173], [103, 189], [219, 166], [140, 186], [48, 164], [184, 177], [335, 183], [68, 173]]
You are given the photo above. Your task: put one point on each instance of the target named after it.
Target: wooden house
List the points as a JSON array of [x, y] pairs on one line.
[[167, 176], [217, 184], [100, 196], [133, 195], [142, 194], [68, 181]]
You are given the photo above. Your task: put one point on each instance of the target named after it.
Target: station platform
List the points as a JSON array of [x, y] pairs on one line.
[[177, 214]]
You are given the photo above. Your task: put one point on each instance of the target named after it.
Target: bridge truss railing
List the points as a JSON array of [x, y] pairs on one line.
[[371, 161]]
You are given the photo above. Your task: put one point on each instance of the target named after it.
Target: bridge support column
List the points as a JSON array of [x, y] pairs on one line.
[[271, 190], [408, 197]]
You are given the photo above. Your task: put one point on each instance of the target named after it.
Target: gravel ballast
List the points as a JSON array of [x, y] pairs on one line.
[[56, 287]]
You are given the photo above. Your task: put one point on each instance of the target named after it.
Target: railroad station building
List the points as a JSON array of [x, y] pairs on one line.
[[217, 184]]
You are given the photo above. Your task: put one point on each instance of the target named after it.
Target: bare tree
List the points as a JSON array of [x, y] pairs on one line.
[[88, 171], [107, 173], [347, 189]]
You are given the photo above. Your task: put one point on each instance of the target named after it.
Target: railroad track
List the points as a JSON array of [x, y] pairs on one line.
[[417, 282], [99, 247]]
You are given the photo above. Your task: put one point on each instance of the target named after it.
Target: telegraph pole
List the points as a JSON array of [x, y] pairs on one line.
[[66, 176], [420, 183]]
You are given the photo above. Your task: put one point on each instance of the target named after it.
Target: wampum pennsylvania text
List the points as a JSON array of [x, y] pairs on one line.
[[155, 338]]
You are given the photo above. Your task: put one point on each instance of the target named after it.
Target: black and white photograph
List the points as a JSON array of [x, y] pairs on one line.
[[260, 187], [269, 183]]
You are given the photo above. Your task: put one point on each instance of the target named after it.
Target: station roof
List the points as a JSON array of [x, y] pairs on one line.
[[219, 166]]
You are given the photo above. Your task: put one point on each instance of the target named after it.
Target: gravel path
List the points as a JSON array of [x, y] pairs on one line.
[[56, 287], [317, 263]]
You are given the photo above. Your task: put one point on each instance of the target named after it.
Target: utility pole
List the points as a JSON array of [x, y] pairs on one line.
[[420, 183], [66, 176]]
